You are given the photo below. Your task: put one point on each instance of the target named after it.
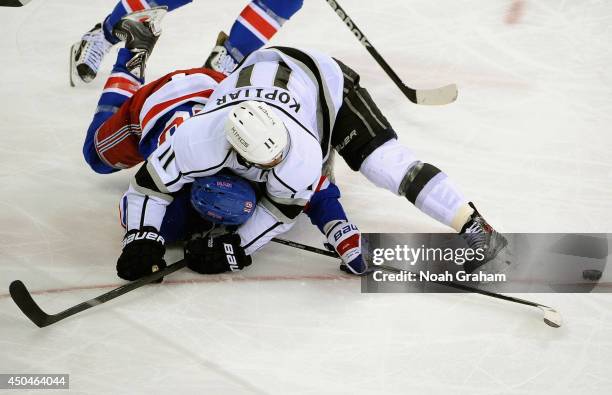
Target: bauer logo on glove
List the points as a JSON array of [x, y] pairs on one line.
[[207, 255], [345, 239], [231, 259], [142, 236]]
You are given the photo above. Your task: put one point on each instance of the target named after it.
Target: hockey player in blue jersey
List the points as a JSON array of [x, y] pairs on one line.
[[253, 28], [205, 216]]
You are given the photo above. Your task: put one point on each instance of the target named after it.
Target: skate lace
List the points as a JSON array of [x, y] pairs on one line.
[[95, 48], [476, 235], [226, 64]]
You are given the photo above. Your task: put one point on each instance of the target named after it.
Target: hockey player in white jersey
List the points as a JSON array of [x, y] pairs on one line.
[[132, 119], [250, 140], [276, 120]]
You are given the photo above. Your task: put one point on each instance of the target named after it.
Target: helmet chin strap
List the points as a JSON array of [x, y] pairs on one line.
[[242, 161]]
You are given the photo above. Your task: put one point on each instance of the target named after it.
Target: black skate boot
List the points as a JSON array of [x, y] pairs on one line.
[[220, 59], [140, 31], [86, 55], [480, 235]]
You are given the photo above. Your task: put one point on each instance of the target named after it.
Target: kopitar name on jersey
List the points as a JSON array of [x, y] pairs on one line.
[[277, 95]]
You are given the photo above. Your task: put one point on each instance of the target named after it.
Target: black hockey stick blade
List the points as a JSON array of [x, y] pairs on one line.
[[21, 296], [13, 3], [23, 299]]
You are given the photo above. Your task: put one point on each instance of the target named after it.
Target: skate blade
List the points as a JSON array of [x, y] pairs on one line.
[[72, 72], [154, 15]]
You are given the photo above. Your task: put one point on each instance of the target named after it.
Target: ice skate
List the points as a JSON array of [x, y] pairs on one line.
[[480, 235], [220, 59], [140, 31], [86, 55]]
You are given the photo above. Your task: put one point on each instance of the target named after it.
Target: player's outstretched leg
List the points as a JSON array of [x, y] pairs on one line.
[[87, 54], [395, 167], [255, 26], [365, 139], [112, 139]]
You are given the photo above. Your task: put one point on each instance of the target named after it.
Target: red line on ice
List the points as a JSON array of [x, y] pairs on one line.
[[206, 279]]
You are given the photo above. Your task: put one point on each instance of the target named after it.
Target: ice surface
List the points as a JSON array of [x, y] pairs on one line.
[[528, 140]]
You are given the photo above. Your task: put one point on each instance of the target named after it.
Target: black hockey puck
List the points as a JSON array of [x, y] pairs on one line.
[[592, 275]]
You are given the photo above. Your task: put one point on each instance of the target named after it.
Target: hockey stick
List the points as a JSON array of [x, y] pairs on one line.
[[13, 3], [444, 95], [306, 247], [22, 297], [551, 316]]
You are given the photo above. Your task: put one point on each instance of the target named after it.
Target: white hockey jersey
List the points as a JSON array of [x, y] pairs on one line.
[[291, 82]]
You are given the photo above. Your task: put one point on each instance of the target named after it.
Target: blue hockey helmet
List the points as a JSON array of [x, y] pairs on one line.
[[223, 199]]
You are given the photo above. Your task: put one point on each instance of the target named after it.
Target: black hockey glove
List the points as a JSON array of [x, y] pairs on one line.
[[208, 255], [143, 253]]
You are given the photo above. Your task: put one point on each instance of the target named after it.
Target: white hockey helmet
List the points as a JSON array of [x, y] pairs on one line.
[[257, 133]]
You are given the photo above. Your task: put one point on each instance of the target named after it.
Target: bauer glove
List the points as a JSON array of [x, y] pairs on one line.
[[143, 253], [208, 255], [345, 239]]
